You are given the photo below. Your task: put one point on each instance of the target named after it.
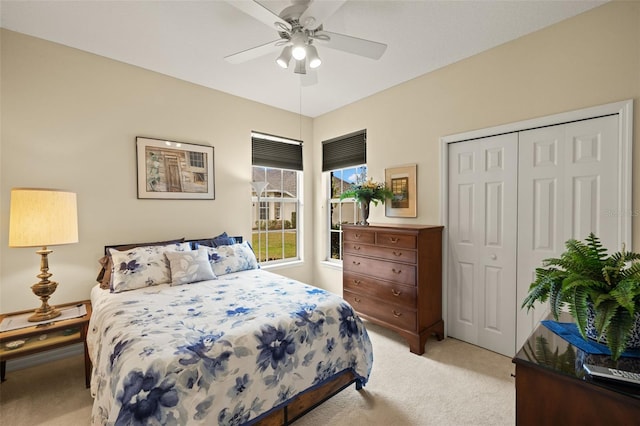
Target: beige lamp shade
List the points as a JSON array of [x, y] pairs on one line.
[[42, 217]]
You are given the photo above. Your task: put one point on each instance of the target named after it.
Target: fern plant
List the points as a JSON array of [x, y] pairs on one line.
[[585, 276]]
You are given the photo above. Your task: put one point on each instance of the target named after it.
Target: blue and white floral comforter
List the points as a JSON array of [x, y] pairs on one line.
[[224, 352]]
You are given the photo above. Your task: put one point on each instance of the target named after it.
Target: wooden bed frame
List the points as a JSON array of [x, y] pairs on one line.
[[306, 402]]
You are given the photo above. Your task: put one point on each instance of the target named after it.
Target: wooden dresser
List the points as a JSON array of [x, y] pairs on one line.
[[392, 275]]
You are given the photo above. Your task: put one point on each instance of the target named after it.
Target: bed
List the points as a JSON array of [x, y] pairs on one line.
[[245, 346]]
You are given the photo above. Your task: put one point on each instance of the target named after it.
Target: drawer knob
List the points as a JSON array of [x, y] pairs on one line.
[[393, 240], [396, 271], [357, 282], [397, 253], [356, 247], [355, 299], [397, 314], [356, 235], [395, 292], [356, 263]]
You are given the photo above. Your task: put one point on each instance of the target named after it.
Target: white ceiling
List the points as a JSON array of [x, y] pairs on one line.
[[189, 39]]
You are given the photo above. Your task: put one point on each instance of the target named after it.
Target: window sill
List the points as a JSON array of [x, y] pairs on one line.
[[274, 266], [337, 265]]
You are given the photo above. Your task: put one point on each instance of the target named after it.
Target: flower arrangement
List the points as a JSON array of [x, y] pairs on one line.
[[368, 191]]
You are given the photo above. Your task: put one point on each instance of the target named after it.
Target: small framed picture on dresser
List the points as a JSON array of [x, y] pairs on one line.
[[402, 182]]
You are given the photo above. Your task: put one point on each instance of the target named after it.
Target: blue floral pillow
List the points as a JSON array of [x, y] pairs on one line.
[[220, 240], [223, 240], [231, 258], [142, 266], [189, 267]]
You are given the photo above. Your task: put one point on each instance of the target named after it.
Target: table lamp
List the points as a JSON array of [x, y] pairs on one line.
[[41, 218]]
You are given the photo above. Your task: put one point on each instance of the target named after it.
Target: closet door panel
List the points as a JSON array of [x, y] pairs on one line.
[[482, 183], [593, 175], [540, 213], [570, 172], [463, 235]]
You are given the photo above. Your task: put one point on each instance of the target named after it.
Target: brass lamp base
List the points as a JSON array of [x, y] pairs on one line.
[[44, 289]]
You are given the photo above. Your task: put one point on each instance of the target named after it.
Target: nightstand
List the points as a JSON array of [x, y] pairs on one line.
[[39, 337]]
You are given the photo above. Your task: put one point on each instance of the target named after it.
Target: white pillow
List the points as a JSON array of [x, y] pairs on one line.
[[189, 267], [232, 258], [142, 266]]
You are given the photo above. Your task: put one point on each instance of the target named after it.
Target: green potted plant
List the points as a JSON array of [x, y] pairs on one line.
[[365, 193], [601, 291]]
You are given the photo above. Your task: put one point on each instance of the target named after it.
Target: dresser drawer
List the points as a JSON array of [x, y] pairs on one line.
[[392, 314], [391, 271], [390, 239], [390, 292], [360, 236], [395, 254]]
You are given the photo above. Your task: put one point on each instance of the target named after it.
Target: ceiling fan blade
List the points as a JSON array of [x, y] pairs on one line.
[[358, 46], [258, 11], [318, 11], [253, 53]]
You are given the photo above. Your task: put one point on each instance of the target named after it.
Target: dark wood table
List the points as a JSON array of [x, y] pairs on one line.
[[46, 336], [552, 387]]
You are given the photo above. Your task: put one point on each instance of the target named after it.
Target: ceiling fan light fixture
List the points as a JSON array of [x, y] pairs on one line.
[[285, 57], [299, 52], [314, 59], [299, 46]]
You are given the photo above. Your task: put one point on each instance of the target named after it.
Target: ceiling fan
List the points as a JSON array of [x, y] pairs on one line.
[[299, 27]]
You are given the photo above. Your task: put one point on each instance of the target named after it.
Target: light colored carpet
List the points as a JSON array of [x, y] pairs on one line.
[[452, 383]]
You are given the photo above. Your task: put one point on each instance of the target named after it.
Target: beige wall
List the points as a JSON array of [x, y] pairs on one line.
[[69, 120], [589, 60]]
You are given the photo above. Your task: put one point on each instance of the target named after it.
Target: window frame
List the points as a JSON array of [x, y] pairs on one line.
[[361, 170], [338, 154], [284, 159]]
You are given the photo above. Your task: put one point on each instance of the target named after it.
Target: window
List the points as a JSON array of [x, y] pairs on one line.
[[343, 211], [277, 168], [344, 159], [264, 210], [196, 159]]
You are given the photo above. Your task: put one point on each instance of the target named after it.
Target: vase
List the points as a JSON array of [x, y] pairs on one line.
[[634, 338], [364, 212]]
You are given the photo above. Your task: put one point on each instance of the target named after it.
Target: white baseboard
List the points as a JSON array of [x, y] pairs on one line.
[[42, 357]]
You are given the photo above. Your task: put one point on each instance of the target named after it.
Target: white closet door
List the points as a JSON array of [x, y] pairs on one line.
[[482, 242], [568, 187]]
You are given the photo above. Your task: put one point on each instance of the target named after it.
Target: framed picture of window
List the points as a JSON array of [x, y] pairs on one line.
[[172, 170], [402, 182]]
